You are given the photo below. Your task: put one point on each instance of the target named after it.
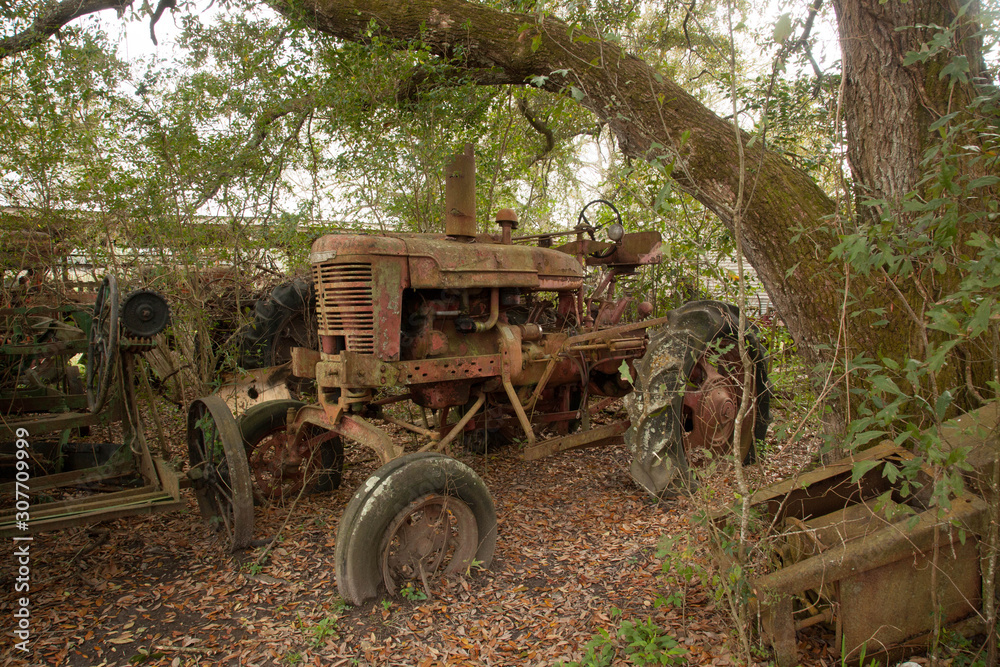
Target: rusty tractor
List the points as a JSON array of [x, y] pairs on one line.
[[475, 339]]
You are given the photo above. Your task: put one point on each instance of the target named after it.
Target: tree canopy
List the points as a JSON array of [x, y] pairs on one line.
[[344, 108]]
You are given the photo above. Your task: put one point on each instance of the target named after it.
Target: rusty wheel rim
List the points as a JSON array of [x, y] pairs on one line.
[[222, 479], [712, 401], [275, 476], [279, 472], [432, 536]]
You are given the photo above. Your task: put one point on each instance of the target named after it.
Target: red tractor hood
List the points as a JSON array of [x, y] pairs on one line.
[[437, 261]]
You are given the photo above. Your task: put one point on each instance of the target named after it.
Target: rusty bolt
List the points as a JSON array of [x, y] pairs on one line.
[[507, 219], [507, 215]]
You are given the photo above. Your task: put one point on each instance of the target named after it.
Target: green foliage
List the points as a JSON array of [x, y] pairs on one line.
[[324, 630], [412, 593], [796, 119], [958, 651], [645, 645], [599, 651], [640, 643], [945, 266], [327, 628], [144, 655]]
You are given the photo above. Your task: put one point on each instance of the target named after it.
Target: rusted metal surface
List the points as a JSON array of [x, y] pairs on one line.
[[360, 430], [475, 336], [829, 488], [254, 387], [286, 459], [423, 534], [358, 306], [36, 345], [635, 249], [437, 317], [460, 193], [857, 556], [711, 403], [598, 435]]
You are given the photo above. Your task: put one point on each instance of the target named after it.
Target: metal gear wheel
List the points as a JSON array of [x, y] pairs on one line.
[[144, 313]]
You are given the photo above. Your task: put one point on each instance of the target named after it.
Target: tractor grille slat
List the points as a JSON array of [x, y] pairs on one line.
[[344, 304]]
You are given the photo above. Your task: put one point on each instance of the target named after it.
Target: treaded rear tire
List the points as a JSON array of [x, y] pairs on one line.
[[281, 320], [655, 436]]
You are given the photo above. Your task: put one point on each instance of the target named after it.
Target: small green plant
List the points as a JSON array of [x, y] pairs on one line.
[[325, 629], [959, 651], [387, 604], [672, 599], [143, 655], [642, 642], [412, 593], [683, 564], [647, 646], [599, 651], [253, 568], [212, 443], [292, 658], [475, 564]]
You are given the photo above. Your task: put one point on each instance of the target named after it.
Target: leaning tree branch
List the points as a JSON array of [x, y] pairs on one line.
[[540, 127], [261, 130], [651, 116], [53, 17]]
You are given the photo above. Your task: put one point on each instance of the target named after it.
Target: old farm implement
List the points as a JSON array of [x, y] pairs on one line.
[[474, 339], [52, 480], [857, 552]]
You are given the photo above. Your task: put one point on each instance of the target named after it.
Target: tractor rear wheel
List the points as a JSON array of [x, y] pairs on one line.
[[314, 464], [282, 320], [688, 389]]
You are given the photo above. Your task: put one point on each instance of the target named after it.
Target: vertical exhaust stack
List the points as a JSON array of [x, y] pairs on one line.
[[460, 196]]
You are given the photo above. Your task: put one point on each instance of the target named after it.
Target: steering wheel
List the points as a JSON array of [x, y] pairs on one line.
[[583, 224], [102, 348]]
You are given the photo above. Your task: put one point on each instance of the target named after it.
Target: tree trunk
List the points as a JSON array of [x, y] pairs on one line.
[[888, 106]]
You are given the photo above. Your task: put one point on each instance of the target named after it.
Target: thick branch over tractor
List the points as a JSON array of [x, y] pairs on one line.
[[652, 117]]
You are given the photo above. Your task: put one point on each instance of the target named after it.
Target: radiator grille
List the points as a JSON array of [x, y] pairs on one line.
[[344, 304]]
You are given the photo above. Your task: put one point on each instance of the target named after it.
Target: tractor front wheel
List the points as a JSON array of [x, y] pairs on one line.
[[313, 463], [419, 517]]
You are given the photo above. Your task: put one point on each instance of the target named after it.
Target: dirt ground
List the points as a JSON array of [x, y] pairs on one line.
[[576, 554]]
